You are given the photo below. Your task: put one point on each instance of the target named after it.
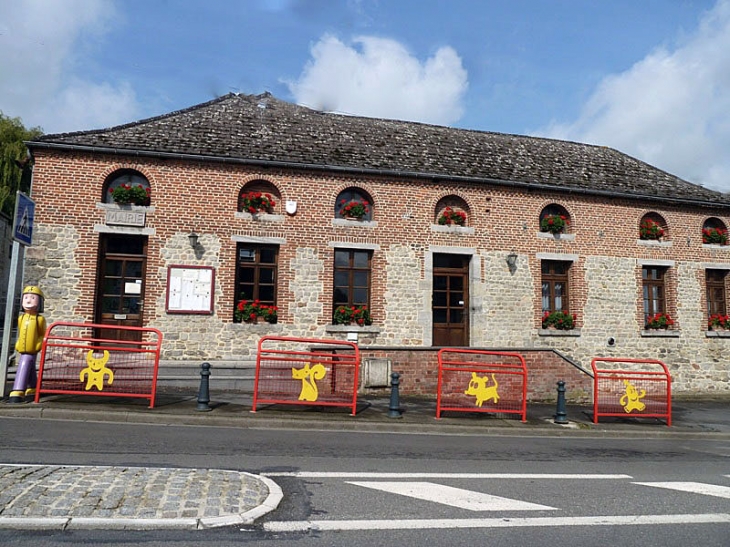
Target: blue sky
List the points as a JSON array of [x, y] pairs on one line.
[[648, 77]]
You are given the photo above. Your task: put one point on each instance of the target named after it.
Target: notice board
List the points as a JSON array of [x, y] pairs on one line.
[[190, 289]]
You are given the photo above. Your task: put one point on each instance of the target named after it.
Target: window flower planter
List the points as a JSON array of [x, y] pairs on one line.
[[257, 202], [250, 311], [659, 321], [347, 315], [554, 224], [127, 194], [650, 229], [558, 320], [716, 236], [719, 322], [450, 217], [354, 209]]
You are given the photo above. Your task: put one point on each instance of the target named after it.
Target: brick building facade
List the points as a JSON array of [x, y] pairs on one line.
[[486, 284]]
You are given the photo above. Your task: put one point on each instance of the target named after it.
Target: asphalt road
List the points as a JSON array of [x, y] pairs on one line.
[[526, 497]]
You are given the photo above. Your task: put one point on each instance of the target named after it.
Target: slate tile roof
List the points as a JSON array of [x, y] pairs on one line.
[[261, 128]]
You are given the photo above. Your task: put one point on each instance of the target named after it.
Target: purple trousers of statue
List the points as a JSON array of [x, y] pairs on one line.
[[25, 377]]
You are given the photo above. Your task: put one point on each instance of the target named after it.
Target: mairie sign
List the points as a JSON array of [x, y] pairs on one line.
[[24, 215]]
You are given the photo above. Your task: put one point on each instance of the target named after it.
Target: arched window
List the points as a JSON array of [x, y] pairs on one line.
[[653, 227], [451, 211], [354, 203], [258, 196], [714, 232], [127, 186], [554, 219]]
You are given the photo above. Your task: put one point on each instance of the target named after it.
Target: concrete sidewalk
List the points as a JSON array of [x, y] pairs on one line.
[[233, 409], [63, 497]]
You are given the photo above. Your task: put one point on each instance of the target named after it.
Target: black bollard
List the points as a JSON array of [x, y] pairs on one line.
[[394, 408], [561, 416], [204, 391]]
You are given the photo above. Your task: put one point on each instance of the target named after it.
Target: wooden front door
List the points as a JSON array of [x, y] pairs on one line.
[[450, 300], [120, 286]]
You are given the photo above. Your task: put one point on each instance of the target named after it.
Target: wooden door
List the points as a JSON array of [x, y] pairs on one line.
[[120, 287], [450, 300]]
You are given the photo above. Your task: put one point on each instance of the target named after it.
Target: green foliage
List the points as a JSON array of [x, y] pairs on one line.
[[650, 229], [126, 193], [247, 311], [561, 320], [449, 216], [345, 315], [13, 152], [659, 321], [555, 224]]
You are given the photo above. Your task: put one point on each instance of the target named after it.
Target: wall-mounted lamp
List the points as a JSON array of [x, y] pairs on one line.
[[512, 262], [193, 237]]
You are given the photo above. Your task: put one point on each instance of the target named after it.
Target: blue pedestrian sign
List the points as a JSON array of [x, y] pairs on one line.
[[23, 223]]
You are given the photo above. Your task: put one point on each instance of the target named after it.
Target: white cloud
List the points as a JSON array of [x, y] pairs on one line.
[[378, 77], [42, 49], [671, 109]]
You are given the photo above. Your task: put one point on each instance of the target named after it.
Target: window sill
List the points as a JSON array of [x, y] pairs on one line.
[[125, 207], [653, 243], [715, 246], [354, 223], [259, 325], [260, 217], [444, 229], [558, 332], [659, 333], [370, 329], [717, 334], [556, 237]]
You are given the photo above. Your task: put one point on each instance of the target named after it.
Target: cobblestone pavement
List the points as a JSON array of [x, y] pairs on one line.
[[46, 496]]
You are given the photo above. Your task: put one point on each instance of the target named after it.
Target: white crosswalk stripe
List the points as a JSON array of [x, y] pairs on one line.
[[693, 487], [454, 497], [424, 524], [374, 475]]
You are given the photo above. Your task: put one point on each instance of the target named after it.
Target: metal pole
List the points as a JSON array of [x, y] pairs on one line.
[[394, 408], [561, 416], [8, 324], [203, 392]]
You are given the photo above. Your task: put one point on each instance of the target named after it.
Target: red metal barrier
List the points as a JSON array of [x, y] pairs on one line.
[[76, 359], [632, 392], [303, 371], [481, 381]]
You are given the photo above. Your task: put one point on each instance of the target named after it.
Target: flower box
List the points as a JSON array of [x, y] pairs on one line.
[[346, 315], [718, 322], [355, 209], [658, 321], [257, 202], [555, 224], [450, 217], [650, 229], [249, 311], [716, 236], [127, 194], [559, 320]]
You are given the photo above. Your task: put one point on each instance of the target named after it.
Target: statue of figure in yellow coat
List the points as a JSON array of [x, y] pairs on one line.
[[31, 330]]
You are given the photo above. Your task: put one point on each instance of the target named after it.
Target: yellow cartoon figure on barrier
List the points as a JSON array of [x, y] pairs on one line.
[[631, 400], [308, 375], [480, 388], [96, 371]]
